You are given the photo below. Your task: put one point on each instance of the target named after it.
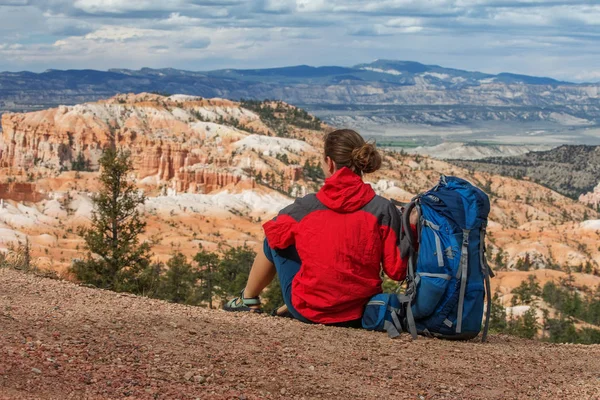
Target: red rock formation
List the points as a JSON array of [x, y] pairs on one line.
[[19, 191], [591, 198], [293, 172], [165, 138], [206, 180]]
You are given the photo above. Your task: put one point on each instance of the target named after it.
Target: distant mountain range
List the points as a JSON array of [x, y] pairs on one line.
[[387, 71], [384, 91]]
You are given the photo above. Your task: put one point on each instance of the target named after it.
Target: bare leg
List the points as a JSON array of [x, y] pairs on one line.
[[262, 273]]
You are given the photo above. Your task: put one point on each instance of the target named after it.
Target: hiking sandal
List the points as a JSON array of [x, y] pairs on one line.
[[243, 304]]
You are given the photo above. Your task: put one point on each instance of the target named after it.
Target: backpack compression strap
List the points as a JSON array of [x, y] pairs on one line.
[[408, 297]]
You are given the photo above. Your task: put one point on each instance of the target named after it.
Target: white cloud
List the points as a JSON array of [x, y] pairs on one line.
[[432, 7], [589, 15], [589, 76], [63, 25], [197, 43], [123, 6], [404, 22], [411, 29], [176, 21], [179, 20], [312, 6], [518, 17], [278, 6], [520, 43], [7, 46], [548, 16], [122, 33]]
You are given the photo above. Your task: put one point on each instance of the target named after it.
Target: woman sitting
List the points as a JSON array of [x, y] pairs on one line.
[[328, 248]]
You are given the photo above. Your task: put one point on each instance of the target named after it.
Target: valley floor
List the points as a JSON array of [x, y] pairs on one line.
[[60, 341]]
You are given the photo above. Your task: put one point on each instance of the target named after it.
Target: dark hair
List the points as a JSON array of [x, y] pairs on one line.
[[348, 149]]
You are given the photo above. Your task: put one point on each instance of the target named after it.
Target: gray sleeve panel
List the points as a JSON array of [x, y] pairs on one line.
[[384, 210], [302, 207]]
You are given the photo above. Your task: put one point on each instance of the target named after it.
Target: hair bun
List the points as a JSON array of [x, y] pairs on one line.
[[366, 158], [348, 149]]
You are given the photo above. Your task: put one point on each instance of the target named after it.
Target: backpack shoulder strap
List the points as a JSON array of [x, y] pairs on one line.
[[487, 273], [408, 246], [407, 233]]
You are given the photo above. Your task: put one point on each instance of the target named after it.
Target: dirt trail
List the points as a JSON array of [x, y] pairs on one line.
[[60, 341]]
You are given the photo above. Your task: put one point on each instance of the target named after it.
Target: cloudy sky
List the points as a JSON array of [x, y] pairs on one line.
[[557, 38]]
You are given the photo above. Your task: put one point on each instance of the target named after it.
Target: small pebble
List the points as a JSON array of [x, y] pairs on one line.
[[188, 375]]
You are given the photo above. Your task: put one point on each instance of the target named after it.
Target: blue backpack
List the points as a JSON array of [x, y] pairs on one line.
[[386, 312], [448, 274]]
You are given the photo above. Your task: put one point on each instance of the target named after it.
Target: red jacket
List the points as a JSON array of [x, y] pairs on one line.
[[344, 235]]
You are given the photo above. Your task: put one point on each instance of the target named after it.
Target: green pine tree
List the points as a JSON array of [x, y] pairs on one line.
[[116, 258], [80, 163], [234, 269], [562, 331], [149, 280], [497, 315], [525, 292], [179, 282], [208, 268], [593, 308], [528, 324], [499, 260]]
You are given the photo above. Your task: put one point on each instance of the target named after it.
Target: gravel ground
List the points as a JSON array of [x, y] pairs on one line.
[[63, 341]]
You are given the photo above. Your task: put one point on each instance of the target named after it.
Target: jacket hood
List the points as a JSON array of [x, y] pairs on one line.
[[345, 192]]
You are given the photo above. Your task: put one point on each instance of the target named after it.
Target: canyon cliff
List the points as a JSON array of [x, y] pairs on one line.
[[592, 198], [184, 143], [214, 169]]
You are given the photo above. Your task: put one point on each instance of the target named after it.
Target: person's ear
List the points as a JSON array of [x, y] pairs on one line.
[[330, 165]]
